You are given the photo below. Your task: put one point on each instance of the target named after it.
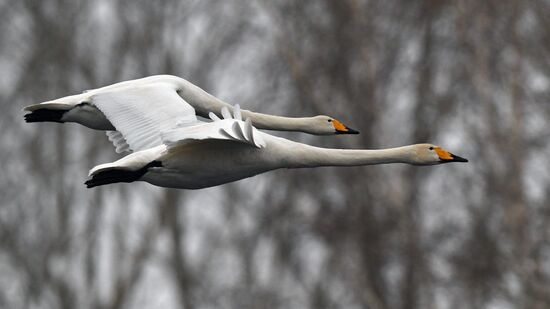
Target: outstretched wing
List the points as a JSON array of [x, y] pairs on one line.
[[141, 113], [229, 128]]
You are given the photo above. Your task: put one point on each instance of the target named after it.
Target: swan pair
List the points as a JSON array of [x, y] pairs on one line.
[[155, 118]]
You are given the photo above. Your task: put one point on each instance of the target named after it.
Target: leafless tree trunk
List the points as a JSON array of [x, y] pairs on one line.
[[468, 75]]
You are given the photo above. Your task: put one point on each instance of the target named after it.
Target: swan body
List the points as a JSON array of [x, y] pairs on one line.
[[155, 118], [208, 164], [84, 109], [223, 151]]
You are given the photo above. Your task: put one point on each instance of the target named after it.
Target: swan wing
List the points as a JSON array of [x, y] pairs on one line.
[[229, 128], [140, 113]]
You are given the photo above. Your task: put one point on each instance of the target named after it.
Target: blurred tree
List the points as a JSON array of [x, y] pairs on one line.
[[468, 75]]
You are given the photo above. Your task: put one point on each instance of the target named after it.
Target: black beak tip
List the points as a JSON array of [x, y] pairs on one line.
[[349, 131], [459, 159]]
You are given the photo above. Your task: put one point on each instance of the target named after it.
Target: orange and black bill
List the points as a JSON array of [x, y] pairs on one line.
[[445, 156], [342, 129]]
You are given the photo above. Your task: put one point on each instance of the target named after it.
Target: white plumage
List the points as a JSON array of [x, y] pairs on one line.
[[229, 128], [130, 112], [153, 117], [157, 99], [225, 150]]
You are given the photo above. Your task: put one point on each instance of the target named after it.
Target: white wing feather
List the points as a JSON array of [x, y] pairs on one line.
[[226, 113], [142, 113], [237, 112], [213, 116], [118, 141], [221, 129]]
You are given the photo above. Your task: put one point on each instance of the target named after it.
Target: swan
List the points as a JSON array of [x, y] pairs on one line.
[[151, 92], [225, 150]]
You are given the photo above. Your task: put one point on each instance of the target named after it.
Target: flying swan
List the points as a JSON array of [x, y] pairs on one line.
[[157, 94], [171, 148]]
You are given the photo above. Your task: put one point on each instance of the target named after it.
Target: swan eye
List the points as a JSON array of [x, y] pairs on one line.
[[330, 120], [431, 148]]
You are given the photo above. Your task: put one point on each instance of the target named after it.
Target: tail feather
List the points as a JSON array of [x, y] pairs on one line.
[[112, 176], [52, 105], [43, 115], [118, 174]]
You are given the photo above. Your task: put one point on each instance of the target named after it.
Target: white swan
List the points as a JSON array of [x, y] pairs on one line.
[[210, 154], [152, 94]]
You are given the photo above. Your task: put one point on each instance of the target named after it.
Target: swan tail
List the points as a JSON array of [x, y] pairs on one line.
[[64, 103], [49, 105], [111, 173], [45, 115], [53, 111]]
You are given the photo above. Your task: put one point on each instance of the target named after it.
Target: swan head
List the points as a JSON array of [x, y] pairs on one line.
[[326, 125], [428, 154]]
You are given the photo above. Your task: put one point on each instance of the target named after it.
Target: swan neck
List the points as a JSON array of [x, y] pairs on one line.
[[309, 156], [279, 123], [203, 103]]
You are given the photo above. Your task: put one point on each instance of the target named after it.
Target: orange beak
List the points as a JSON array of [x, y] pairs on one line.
[[445, 156], [342, 129]]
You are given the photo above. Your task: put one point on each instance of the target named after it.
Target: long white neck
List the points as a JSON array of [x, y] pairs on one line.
[[298, 155], [203, 102], [279, 123]]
